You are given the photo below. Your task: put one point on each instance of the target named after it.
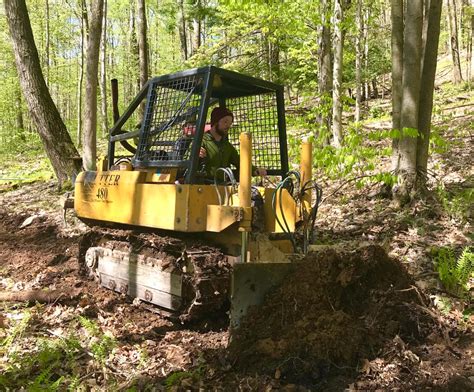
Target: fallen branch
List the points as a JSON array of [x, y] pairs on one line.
[[41, 296]]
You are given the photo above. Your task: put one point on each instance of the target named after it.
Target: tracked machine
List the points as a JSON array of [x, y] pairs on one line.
[[164, 233]]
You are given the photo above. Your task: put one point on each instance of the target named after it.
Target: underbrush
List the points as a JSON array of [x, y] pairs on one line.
[[36, 358], [455, 272], [456, 202]]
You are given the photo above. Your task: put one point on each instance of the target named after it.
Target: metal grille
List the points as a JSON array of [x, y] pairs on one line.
[[258, 115], [170, 121]]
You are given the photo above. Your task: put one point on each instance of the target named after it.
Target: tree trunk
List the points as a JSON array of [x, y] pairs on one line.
[[427, 81], [337, 75], [325, 65], [20, 126], [131, 85], [375, 90], [197, 24], [397, 72], [273, 59], [412, 48], [469, 43], [182, 31], [358, 59], [103, 74], [81, 73], [44, 113], [454, 41], [142, 48], [366, 57], [47, 43], [92, 65]]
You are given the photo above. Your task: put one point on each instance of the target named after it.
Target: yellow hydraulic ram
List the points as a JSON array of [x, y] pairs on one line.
[[306, 172], [245, 184]]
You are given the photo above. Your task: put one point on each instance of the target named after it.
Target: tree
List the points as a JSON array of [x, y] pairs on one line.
[[325, 61], [428, 74], [182, 27], [397, 74], [412, 46], [454, 41], [80, 79], [90, 107], [19, 117], [142, 47], [468, 10], [103, 73], [44, 113], [367, 13], [197, 26], [358, 59], [417, 67], [337, 73], [47, 60]]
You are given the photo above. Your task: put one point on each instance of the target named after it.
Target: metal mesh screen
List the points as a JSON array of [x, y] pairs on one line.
[[258, 115], [170, 121], [172, 115]]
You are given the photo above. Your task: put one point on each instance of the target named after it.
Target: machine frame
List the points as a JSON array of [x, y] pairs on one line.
[[214, 86]]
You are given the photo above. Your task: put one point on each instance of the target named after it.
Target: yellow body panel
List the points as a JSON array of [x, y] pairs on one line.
[[125, 197], [289, 211], [220, 218], [131, 198]]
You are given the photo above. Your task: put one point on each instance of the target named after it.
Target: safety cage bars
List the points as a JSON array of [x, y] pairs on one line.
[[177, 107]]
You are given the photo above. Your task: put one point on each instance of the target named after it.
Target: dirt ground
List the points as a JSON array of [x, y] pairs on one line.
[[351, 318]]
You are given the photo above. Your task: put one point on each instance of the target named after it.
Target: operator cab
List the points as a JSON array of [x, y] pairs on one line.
[[176, 117]]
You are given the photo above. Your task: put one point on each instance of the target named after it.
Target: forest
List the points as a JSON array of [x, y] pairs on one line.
[[379, 295]]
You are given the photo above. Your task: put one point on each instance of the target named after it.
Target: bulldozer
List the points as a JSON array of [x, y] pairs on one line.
[[162, 232]]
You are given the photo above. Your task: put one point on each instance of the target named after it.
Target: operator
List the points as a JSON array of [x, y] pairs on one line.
[[216, 150]]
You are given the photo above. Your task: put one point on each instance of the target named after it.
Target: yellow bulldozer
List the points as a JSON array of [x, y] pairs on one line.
[[167, 235]]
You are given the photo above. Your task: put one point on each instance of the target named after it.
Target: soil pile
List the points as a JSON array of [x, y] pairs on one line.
[[336, 310]]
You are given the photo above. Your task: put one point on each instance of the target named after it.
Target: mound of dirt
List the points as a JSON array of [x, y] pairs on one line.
[[336, 310]]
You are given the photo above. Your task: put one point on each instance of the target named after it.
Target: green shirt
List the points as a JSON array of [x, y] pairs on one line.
[[219, 154]]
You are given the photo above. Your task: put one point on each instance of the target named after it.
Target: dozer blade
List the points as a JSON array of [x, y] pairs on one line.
[[251, 282]]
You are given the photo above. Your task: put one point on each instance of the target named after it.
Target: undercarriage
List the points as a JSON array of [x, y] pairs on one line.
[[184, 276]]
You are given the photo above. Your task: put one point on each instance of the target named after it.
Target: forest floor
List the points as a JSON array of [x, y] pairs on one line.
[[365, 311]]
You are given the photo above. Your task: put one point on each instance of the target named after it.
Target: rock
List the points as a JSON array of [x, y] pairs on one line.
[[28, 221]]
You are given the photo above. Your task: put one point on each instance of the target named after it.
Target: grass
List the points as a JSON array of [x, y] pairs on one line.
[[25, 162], [24, 167]]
